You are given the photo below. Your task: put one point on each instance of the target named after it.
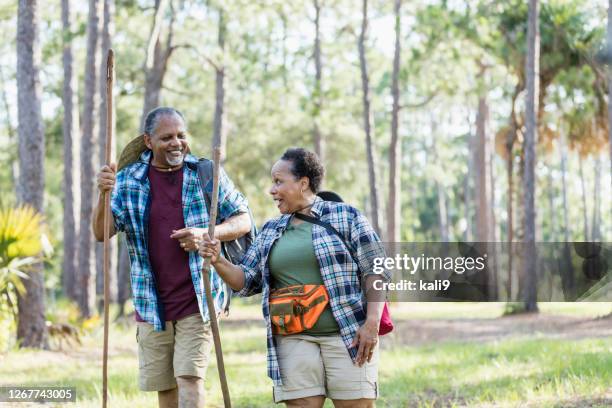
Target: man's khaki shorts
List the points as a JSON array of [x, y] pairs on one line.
[[183, 349], [321, 365]]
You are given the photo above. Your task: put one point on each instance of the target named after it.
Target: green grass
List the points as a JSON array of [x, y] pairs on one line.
[[537, 371]]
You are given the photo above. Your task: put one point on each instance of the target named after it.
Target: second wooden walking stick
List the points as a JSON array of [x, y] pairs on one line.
[[206, 277], [110, 73]]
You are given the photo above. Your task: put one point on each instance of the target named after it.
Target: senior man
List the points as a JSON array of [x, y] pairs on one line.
[[159, 203]]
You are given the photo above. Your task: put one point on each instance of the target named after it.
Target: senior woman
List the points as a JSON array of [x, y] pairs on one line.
[[325, 344]]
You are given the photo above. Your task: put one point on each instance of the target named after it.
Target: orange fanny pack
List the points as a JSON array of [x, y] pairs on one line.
[[296, 308]]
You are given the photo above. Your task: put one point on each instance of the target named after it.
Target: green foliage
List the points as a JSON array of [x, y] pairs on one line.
[[22, 244]]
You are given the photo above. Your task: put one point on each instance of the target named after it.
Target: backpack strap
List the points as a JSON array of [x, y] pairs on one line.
[[330, 228], [205, 172]]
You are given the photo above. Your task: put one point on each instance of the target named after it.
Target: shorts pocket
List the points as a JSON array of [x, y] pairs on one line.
[[370, 369], [141, 336]]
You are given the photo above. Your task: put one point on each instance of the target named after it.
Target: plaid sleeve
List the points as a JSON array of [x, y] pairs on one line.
[[117, 206], [368, 245], [251, 261], [253, 281], [231, 201]]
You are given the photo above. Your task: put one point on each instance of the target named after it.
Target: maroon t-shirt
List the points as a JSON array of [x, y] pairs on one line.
[[169, 261]]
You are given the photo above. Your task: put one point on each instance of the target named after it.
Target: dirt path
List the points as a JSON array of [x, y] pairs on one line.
[[421, 331]]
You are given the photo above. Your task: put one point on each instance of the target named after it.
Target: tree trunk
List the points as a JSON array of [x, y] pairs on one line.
[[510, 140], [585, 217], [14, 163], [482, 183], [156, 60], [72, 184], [493, 231], [532, 70], [596, 219], [442, 213], [318, 142], [219, 134], [89, 164], [551, 203], [395, 149], [107, 33], [567, 273], [444, 235], [467, 185], [510, 208], [285, 38], [31, 329], [367, 120], [481, 174]]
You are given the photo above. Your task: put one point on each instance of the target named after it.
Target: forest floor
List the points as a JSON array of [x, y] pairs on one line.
[[439, 355]]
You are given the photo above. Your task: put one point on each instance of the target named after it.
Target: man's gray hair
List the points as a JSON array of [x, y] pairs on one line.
[[152, 119]]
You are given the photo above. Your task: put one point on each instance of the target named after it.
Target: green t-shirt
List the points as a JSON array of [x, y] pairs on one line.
[[293, 262]]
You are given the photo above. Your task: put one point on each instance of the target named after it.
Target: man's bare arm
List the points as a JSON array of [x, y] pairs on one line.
[[98, 221], [233, 228], [106, 182]]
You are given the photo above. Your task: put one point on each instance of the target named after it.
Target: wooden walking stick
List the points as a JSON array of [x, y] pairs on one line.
[[206, 277], [110, 73]]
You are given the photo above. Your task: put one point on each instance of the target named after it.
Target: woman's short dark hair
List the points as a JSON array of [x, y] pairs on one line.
[[305, 164]]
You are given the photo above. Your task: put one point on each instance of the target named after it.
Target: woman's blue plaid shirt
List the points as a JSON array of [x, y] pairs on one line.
[[130, 203], [338, 270]]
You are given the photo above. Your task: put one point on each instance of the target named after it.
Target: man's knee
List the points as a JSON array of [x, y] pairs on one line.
[[190, 391], [188, 379], [359, 403], [307, 402]]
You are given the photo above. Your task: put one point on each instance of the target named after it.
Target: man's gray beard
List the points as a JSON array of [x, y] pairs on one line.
[[175, 161]]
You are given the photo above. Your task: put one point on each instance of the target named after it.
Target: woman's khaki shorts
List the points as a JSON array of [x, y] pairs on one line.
[[321, 365], [183, 349]]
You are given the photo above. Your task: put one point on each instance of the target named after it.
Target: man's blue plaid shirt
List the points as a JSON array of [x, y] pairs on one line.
[[131, 202], [338, 270]]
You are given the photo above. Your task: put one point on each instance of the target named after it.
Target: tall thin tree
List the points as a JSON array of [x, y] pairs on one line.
[[31, 330], [157, 56], [567, 273], [481, 173], [395, 148], [482, 183], [87, 268], [596, 217], [585, 209], [319, 143], [72, 184], [10, 129], [367, 121], [532, 70]]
